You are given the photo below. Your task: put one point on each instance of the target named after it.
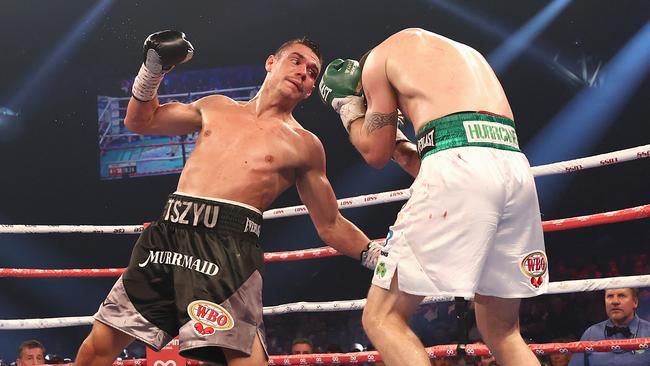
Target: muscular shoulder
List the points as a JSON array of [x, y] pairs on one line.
[[418, 39], [311, 147], [214, 101], [309, 140]]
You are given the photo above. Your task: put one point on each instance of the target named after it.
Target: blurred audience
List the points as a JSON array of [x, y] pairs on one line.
[[301, 346], [560, 359]]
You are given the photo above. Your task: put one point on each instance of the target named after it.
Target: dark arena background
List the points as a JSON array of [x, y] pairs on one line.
[[575, 72]]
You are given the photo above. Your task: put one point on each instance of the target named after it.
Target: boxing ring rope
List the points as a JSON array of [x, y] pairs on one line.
[[348, 305], [627, 214], [568, 166], [441, 351], [559, 287]]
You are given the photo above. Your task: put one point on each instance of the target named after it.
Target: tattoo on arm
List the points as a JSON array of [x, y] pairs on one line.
[[376, 121]]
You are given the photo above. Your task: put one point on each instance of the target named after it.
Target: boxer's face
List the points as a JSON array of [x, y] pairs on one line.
[[294, 70]]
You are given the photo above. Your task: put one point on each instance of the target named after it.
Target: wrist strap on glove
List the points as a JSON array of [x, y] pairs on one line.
[[370, 256], [145, 85], [350, 109]]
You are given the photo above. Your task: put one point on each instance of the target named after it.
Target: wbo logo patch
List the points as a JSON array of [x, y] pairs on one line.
[[534, 265], [209, 317]]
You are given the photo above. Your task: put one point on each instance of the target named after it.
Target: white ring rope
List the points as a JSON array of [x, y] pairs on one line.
[[560, 287], [83, 229], [595, 161], [568, 166]]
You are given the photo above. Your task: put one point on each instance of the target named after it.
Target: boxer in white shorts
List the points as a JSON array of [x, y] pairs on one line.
[[472, 223], [472, 226]]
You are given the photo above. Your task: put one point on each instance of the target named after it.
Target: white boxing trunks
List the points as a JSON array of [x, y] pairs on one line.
[[472, 224]]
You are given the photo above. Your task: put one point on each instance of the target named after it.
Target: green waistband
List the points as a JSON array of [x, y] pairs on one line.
[[467, 129]]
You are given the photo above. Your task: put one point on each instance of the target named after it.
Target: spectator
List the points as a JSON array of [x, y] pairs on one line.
[[441, 362], [559, 359], [54, 359], [622, 323], [301, 346], [30, 352], [487, 360]]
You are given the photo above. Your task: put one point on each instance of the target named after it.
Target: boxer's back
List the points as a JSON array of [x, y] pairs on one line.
[[435, 76]]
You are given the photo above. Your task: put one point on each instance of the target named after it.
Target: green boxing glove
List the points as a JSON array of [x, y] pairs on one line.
[[340, 88]]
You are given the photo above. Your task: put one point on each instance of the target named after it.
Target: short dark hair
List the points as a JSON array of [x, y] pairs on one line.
[[302, 341], [305, 42], [32, 343]]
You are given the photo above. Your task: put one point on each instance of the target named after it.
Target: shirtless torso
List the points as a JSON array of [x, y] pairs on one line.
[[245, 156], [429, 77], [455, 77], [241, 157]]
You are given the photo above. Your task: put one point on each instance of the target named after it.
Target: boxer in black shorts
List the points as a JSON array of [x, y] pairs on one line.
[[199, 275], [184, 270]]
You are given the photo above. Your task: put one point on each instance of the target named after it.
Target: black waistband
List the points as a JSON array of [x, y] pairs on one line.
[[212, 215]]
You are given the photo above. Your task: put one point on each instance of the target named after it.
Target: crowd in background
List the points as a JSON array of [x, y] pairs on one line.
[[549, 318]]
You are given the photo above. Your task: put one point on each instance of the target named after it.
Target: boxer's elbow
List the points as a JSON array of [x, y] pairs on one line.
[[327, 232], [332, 230], [139, 116], [375, 154], [376, 159], [136, 124]]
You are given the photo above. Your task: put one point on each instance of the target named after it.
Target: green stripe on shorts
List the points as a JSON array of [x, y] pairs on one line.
[[467, 129]]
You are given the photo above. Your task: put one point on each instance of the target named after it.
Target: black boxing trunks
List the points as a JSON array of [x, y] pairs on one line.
[[196, 273]]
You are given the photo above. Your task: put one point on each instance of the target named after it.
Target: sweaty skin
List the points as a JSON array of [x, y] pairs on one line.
[[454, 78], [249, 153], [427, 76], [236, 147]]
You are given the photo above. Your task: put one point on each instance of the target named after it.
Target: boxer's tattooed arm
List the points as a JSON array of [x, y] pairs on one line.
[[375, 121]]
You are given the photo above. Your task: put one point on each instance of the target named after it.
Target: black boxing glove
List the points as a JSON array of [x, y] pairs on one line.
[[161, 52]]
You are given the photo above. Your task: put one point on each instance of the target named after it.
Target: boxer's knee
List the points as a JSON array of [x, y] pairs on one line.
[[371, 322], [102, 346]]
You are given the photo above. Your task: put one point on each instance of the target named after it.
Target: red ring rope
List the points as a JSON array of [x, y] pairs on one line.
[[442, 351]]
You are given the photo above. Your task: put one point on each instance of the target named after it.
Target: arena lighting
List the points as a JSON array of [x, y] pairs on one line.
[[473, 18], [584, 120], [490, 27], [50, 62], [517, 43], [10, 126], [584, 71]]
